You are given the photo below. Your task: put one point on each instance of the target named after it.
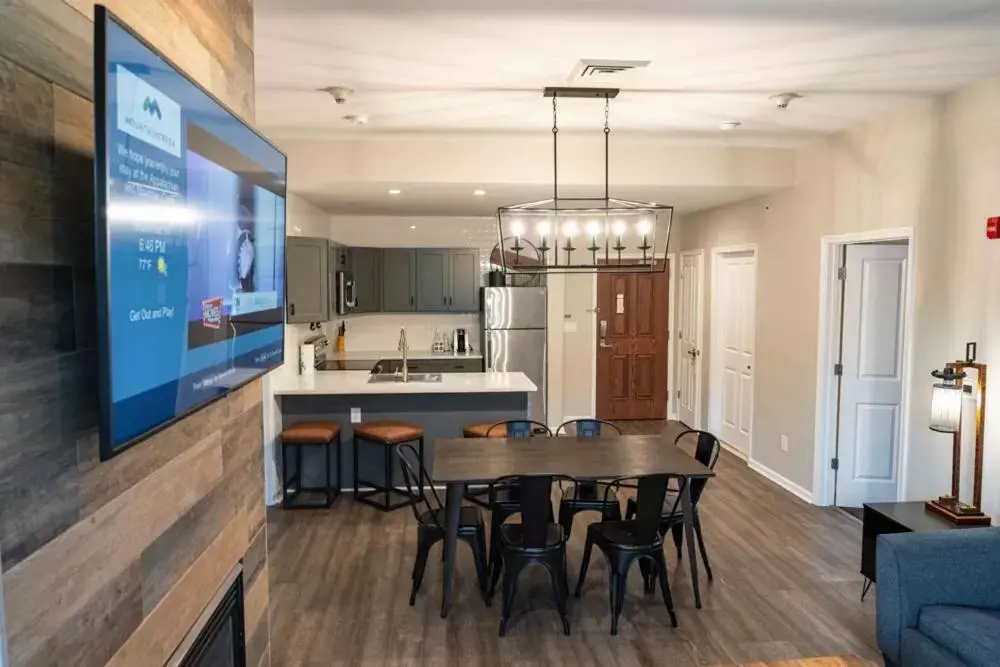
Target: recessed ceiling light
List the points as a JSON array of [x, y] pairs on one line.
[[356, 119], [652, 203], [394, 191], [413, 226], [479, 193], [730, 125]]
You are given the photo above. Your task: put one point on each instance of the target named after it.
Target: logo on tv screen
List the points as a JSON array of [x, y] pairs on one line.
[[211, 313], [152, 107], [146, 113]]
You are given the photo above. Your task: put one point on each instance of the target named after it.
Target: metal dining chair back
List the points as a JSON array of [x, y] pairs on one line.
[[588, 428], [706, 452], [518, 428]]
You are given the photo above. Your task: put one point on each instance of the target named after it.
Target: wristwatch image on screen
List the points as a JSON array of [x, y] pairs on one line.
[[245, 260]]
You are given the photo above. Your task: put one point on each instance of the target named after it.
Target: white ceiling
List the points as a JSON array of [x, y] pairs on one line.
[[438, 199], [471, 65]]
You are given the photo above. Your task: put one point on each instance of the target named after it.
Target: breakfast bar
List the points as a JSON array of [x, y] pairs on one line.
[[441, 404]]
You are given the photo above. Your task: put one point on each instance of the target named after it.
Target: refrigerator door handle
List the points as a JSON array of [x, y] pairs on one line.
[[488, 348]]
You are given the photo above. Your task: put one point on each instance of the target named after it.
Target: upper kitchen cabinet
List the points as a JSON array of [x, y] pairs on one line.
[[307, 274], [399, 280], [463, 279], [433, 283], [366, 269]]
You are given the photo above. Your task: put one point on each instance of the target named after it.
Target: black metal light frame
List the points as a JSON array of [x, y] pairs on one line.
[[610, 255]]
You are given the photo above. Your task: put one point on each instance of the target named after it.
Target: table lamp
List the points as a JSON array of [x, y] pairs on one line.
[[946, 417]]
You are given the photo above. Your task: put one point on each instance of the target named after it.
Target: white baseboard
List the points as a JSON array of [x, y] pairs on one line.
[[738, 453], [783, 482]]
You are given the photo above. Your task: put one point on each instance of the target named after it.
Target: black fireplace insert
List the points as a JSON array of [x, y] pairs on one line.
[[222, 641]]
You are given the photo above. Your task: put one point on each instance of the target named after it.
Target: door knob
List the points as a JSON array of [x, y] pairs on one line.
[[605, 345]]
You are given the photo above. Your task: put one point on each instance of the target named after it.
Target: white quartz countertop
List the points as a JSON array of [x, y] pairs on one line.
[[364, 355], [349, 383]]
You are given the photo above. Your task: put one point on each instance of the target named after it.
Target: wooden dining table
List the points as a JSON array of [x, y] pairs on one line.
[[462, 461]]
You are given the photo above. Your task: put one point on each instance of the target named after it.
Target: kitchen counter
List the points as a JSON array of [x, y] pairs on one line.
[[353, 383], [376, 355], [441, 409]]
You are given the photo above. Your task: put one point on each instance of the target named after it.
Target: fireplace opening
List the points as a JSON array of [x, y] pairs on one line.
[[218, 639]]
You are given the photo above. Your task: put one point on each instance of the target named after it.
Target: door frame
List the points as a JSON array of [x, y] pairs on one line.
[[715, 345], [824, 480], [671, 328], [700, 317]]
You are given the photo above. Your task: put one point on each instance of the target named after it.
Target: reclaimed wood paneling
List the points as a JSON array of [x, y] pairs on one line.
[[106, 561], [165, 626]]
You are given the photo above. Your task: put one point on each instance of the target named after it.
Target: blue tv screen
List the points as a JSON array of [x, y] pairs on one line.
[[190, 242]]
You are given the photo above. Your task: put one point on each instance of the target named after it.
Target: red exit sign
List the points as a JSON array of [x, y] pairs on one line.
[[993, 228]]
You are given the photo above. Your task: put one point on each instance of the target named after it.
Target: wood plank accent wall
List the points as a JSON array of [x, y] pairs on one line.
[[106, 563]]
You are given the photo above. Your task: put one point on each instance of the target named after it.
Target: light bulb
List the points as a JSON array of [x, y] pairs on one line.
[[593, 228], [644, 227], [618, 228], [543, 228], [517, 228], [569, 229]]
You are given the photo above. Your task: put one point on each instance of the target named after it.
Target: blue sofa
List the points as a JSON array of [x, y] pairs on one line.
[[938, 597]]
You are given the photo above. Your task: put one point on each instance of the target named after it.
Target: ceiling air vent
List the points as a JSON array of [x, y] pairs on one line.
[[593, 71]]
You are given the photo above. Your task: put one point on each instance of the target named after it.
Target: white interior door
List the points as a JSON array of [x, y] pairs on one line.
[[689, 339], [871, 386], [736, 305]]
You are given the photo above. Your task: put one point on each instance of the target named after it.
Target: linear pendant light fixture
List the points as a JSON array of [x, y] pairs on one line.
[[582, 234]]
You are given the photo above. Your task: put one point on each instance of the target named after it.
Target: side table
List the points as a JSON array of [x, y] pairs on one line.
[[883, 518]]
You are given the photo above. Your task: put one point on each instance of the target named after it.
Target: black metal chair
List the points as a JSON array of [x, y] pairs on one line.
[[431, 519], [625, 542], [707, 451], [536, 539], [587, 496]]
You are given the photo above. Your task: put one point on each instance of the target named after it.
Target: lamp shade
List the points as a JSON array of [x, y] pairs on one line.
[[946, 408]]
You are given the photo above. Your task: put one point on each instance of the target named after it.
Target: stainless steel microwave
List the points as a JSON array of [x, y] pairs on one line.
[[344, 293]]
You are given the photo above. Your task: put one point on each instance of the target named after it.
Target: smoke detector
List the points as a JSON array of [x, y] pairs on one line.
[[356, 119], [338, 93], [781, 100], [730, 125], [594, 70]]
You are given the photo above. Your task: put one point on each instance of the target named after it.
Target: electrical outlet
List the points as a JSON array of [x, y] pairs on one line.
[[355, 415], [784, 443]]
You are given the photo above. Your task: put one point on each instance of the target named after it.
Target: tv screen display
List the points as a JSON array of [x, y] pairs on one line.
[[190, 242]]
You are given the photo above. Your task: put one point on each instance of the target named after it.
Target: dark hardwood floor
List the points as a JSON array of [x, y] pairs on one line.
[[786, 586]]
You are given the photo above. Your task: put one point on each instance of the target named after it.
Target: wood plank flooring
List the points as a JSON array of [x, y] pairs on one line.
[[786, 587]]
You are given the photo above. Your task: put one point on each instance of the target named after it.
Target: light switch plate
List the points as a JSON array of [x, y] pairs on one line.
[[355, 415], [784, 443]]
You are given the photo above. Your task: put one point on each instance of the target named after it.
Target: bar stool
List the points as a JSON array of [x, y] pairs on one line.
[[325, 434], [388, 434], [480, 430]]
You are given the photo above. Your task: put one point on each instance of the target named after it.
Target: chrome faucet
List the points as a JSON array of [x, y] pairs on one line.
[[404, 347]]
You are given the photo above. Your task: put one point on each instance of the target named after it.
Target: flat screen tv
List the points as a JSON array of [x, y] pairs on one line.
[[190, 245]]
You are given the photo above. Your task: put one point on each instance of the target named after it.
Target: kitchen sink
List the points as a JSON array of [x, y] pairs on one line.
[[413, 377]]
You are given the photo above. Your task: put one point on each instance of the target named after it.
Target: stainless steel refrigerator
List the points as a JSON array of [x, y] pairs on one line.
[[514, 337]]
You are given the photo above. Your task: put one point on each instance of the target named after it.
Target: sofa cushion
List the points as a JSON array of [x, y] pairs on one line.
[[970, 633], [919, 651]]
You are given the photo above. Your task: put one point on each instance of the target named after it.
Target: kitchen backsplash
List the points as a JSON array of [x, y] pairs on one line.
[[381, 331]]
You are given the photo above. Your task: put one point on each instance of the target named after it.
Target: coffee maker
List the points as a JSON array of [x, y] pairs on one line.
[[461, 341]]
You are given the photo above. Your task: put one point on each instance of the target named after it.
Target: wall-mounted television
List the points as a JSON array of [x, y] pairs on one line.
[[190, 241]]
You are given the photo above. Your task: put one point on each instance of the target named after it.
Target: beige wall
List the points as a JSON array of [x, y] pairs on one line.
[[934, 168]]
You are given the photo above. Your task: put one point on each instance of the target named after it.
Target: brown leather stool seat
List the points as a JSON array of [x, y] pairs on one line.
[[386, 434], [311, 432], [481, 430], [294, 438]]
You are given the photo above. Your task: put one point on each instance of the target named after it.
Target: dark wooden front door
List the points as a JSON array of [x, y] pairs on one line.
[[632, 345]]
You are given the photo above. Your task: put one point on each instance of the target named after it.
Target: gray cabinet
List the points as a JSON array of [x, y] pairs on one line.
[[433, 283], [307, 276], [399, 280], [366, 268], [463, 280]]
